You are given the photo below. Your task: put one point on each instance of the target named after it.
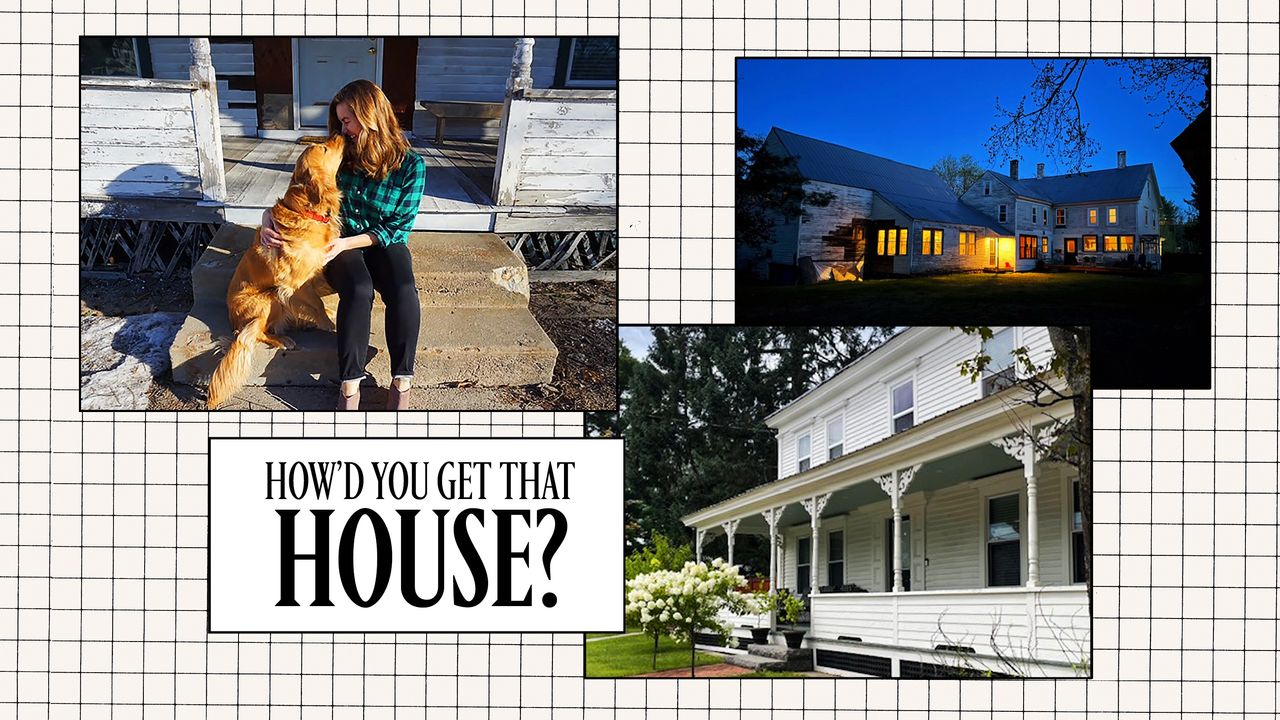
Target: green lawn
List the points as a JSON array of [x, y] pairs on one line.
[[633, 655], [1157, 322]]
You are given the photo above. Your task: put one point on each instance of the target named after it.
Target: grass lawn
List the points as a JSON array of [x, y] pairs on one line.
[[633, 655], [1157, 322]]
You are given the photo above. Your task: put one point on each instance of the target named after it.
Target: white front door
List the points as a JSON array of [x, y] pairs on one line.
[[324, 65]]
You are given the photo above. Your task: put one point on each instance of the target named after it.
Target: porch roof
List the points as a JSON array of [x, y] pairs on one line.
[[945, 435]]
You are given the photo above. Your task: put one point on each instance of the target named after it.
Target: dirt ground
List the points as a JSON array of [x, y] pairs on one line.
[[579, 316]]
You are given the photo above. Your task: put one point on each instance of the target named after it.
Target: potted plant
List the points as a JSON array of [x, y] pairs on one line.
[[789, 609], [760, 604]]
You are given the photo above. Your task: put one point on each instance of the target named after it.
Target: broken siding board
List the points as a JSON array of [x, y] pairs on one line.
[[849, 203]]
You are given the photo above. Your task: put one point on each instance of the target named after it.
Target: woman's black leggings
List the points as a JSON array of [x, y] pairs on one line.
[[355, 274]]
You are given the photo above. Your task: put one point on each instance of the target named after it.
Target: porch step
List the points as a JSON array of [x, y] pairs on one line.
[[450, 269], [773, 657], [476, 327]]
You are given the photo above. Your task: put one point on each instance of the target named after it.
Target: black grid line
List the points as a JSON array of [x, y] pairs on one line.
[[1197, 636]]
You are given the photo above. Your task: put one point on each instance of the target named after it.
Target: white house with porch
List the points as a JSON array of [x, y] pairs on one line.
[[919, 519]]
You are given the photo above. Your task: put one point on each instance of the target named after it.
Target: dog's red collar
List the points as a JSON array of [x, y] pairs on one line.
[[315, 216]]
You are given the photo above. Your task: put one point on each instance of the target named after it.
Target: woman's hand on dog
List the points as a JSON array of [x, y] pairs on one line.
[[269, 237], [337, 246]]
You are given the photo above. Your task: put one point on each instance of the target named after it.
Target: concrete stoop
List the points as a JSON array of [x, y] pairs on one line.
[[476, 326], [773, 657]]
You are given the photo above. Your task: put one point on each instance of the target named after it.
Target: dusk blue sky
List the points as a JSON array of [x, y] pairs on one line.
[[918, 110]]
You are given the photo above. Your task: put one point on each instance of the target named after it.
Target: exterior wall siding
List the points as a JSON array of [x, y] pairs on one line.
[[848, 204], [950, 260]]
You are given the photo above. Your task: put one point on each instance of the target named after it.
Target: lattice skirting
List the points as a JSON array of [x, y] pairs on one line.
[[573, 250], [137, 247]]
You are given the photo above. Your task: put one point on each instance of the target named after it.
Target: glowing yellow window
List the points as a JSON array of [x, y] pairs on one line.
[[1091, 243], [1109, 243], [1093, 216], [880, 242], [1126, 243], [1111, 216]]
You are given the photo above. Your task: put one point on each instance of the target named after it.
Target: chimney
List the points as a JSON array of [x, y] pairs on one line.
[[1040, 171], [1120, 158], [1013, 169]]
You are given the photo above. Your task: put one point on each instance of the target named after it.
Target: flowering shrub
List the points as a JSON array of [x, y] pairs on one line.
[[681, 602]]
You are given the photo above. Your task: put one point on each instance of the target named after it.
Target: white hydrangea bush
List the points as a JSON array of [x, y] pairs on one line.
[[681, 602]]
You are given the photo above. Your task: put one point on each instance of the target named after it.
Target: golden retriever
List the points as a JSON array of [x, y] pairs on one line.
[[274, 288]]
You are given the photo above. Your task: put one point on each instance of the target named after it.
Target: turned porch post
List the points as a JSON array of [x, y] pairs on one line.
[[1024, 448], [771, 516], [700, 537], [895, 485], [730, 528], [814, 506]]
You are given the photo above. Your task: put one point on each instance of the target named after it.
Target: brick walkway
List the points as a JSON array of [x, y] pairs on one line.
[[717, 670]]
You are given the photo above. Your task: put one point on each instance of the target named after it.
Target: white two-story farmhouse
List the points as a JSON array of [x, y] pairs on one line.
[[926, 532], [889, 219]]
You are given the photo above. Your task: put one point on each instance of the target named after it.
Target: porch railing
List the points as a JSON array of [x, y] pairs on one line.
[[1048, 624]]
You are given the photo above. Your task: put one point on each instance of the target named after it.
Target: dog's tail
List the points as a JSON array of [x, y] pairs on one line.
[[234, 368]]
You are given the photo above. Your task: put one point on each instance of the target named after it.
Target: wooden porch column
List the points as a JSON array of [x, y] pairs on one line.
[[208, 125], [1024, 448], [699, 537], [514, 123], [814, 506], [771, 516], [730, 529], [895, 485]]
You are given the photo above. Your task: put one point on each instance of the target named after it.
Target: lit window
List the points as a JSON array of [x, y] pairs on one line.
[[1026, 247], [986, 187], [1111, 216], [880, 243], [1093, 216], [968, 243], [1126, 243], [1091, 243], [802, 453], [1110, 243], [1044, 246], [1004, 541], [1004, 213], [904, 406], [1000, 371], [892, 242], [902, 241], [835, 437], [1044, 216], [1061, 218], [930, 241]]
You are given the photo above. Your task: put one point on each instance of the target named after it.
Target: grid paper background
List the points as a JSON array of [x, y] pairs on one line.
[[102, 516]]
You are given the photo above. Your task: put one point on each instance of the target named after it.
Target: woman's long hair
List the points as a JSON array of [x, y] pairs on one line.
[[382, 146]]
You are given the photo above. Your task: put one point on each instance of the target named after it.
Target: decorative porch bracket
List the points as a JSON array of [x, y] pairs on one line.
[[895, 485], [730, 528], [1024, 448], [814, 507]]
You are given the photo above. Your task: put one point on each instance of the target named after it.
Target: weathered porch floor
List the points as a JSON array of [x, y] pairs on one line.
[[459, 175]]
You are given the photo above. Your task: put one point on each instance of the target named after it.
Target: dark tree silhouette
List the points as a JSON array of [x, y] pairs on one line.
[[769, 189]]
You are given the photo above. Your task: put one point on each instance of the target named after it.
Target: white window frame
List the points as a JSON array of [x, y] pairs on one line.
[[1012, 484], [893, 417], [1068, 494], [1113, 211], [1091, 216], [1003, 214], [836, 419], [844, 559], [1060, 216], [807, 459], [982, 382]]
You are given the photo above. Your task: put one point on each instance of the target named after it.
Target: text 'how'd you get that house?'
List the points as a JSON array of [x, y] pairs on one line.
[[414, 535]]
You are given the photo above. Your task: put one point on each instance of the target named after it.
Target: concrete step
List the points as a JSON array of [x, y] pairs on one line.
[[450, 269], [756, 662], [480, 346], [476, 326], [773, 657]]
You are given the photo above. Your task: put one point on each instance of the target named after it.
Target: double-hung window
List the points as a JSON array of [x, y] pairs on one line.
[[1000, 371], [804, 557], [931, 241], [835, 437], [1004, 541], [1112, 216], [1060, 218], [1004, 213], [835, 558], [802, 453], [902, 398], [1093, 216], [1077, 534]]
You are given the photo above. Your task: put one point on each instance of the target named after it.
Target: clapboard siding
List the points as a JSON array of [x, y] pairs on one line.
[[930, 356], [171, 59], [847, 204], [954, 527], [939, 387], [127, 136], [577, 126]]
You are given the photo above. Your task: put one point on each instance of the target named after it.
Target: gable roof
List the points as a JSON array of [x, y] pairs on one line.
[[919, 193], [1092, 185]]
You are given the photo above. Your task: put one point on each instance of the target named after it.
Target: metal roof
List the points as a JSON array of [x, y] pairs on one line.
[[1089, 186], [919, 193]]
